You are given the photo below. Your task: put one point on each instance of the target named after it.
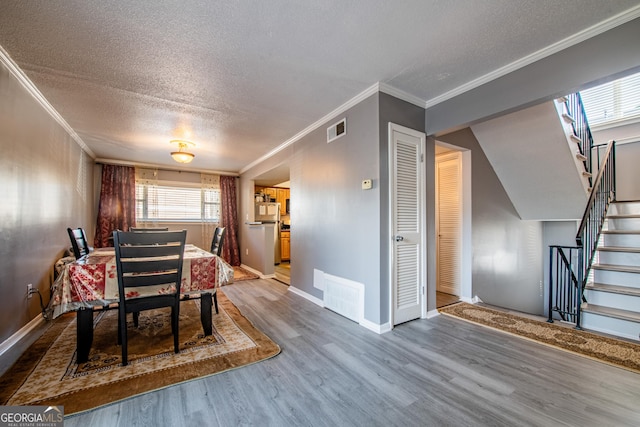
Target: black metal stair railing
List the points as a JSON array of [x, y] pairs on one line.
[[569, 265], [575, 109]]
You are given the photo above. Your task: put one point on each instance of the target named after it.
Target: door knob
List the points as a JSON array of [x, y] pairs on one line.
[[399, 238]]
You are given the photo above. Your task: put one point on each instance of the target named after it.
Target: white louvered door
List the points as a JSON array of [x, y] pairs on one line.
[[407, 207], [448, 223]]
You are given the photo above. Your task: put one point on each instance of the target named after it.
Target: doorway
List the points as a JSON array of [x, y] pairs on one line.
[[453, 224]]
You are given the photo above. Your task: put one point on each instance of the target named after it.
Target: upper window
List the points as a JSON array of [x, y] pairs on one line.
[[176, 203], [612, 102]]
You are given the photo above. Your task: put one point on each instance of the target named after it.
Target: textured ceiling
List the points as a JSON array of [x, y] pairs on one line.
[[239, 78]]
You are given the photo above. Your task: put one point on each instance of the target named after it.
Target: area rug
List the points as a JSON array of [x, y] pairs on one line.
[[615, 352], [47, 373], [240, 273]]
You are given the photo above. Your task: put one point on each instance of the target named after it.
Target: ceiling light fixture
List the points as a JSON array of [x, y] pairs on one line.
[[182, 156]]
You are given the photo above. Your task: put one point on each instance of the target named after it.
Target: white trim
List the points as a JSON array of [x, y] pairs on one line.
[[252, 270], [375, 88], [20, 334], [579, 37], [374, 327], [22, 78], [400, 94], [432, 313], [303, 294], [163, 167]]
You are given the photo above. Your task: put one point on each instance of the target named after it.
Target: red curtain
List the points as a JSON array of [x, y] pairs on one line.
[[230, 248], [117, 209]]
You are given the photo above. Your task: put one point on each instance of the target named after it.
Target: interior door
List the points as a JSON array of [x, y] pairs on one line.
[[408, 223], [448, 223]]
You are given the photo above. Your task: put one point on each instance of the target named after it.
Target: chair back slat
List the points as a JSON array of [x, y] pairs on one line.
[[218, 239], [147, 259], [148, 230], [79, 242]]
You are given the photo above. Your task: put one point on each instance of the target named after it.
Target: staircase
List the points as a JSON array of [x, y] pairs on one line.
[[612, 292]]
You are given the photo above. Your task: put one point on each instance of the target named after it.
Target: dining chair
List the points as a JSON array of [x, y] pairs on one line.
[[78, 242], [150, 259], [148, 230], [216, 242]]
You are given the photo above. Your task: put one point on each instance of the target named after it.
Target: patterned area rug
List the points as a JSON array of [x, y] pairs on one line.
[[240, 273], [47, 373], [608, 350]]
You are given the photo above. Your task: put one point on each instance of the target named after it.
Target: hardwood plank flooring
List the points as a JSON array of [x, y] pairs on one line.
[[333, 372]]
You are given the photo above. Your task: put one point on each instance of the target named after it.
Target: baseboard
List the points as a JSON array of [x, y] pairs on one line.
[[432, 313], [303, 294], [374, 327], [19, 335], [259, 273]]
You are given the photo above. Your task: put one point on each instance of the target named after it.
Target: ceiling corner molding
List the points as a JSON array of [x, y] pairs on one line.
[[164, 167], [375, 88], [599, 28], [22, 78], [400, 94]]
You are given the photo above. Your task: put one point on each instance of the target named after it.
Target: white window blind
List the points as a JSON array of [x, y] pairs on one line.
[[176, 203], [613, 101]]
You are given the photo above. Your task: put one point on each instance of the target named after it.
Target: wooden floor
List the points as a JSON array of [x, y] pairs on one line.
[[283, 272], [333, 372]]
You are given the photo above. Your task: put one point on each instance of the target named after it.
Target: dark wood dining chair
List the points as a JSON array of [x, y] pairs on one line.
[[78, 242], [216, 242], [148, 230], [143, 260]]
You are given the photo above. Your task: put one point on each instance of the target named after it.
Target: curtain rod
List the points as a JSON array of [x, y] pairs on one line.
[[162, 168]]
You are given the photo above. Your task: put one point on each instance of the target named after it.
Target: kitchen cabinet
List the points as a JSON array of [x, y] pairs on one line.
[[285, 245], [282, 194]]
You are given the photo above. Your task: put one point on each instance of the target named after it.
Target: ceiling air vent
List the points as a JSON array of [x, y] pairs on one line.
[[336, 130]]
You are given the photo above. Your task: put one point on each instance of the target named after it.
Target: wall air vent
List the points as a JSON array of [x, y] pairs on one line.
[[336, 130]]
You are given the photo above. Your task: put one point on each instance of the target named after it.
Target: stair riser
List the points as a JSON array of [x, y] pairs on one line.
[[631, 208], [620, 278], [623, 240], [618, 258], [610, 325], [623, 224], [609, 299]]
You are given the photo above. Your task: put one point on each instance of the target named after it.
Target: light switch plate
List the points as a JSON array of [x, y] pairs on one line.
[[367, 184]]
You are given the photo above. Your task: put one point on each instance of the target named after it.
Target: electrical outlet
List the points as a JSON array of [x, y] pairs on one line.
[[246, 251], [29, 290]]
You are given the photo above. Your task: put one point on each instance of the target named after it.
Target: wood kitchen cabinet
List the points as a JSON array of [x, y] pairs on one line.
[[285, 245], [282, 194]]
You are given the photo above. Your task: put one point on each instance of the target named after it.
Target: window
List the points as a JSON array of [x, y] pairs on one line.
[[613, 102], [176, 203]]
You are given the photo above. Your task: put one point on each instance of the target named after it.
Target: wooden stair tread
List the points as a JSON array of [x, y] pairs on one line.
[[614, 289], [623, 268], [618, 249], [620, 231], [612, 312], [623, 216]]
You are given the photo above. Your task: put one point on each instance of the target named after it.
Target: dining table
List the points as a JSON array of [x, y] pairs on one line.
[[90, 284]]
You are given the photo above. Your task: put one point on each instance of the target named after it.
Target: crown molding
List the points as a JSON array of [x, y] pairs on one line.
[[160, 167], [400, 94], [599, 28], [22, 78], [375, 88]]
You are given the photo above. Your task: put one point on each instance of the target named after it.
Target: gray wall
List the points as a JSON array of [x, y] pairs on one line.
[[507, 266], [337, 227], [392, 110], [615, 52], [47, 186]]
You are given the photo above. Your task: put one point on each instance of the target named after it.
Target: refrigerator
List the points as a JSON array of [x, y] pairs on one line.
[[269, 212]]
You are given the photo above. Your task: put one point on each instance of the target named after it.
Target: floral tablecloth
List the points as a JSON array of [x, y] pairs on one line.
[[92, 281]]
